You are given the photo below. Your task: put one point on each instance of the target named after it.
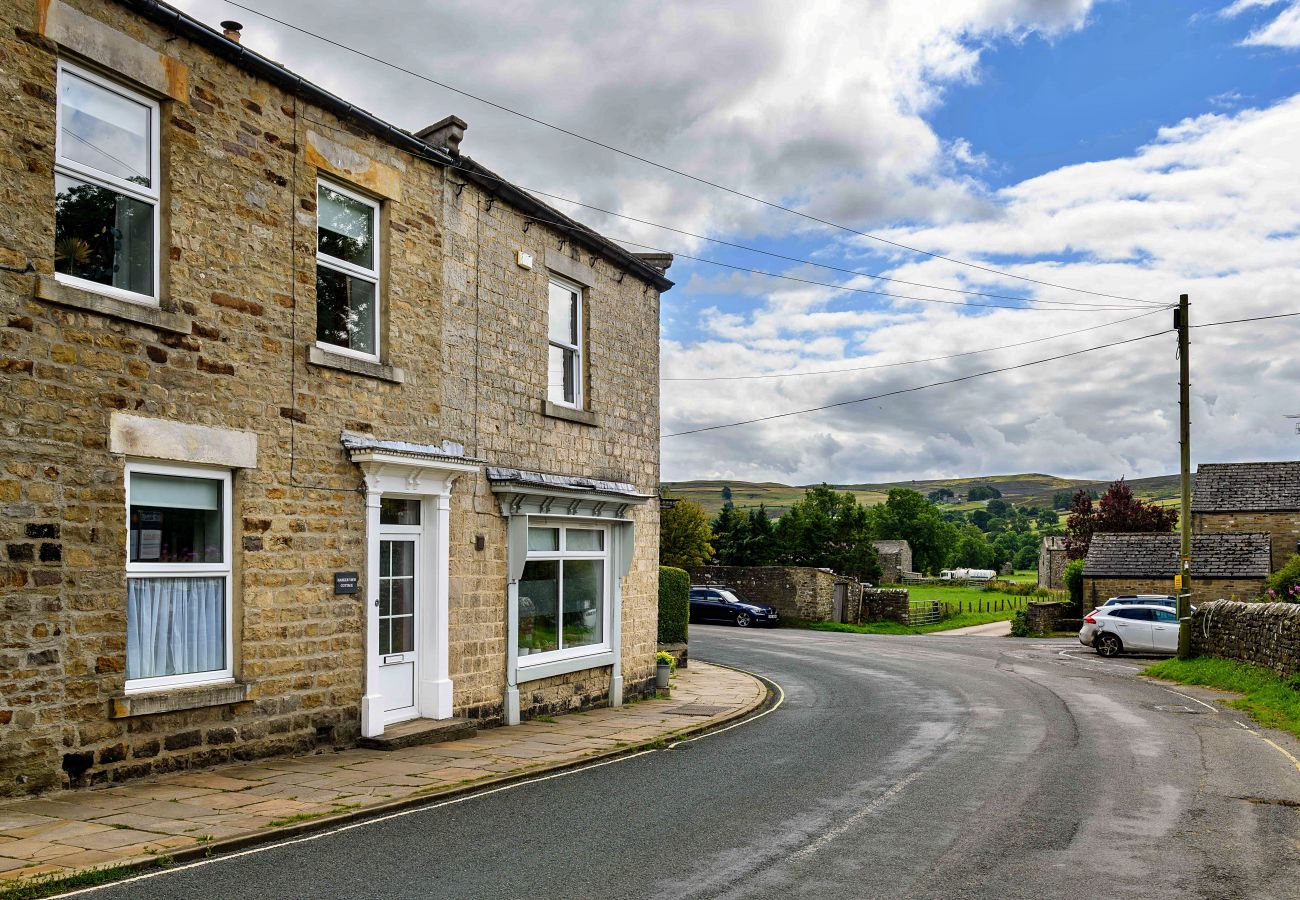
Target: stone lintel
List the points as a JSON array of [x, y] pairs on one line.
[[572, 269], [182, 442], [89, 37]]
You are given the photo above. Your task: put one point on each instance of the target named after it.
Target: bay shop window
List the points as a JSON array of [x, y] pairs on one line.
[[178, 576], [563, 594]]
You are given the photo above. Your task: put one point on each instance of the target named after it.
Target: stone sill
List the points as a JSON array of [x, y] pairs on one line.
[[154, 702], [51, 290], [569, 414], [319, 356]]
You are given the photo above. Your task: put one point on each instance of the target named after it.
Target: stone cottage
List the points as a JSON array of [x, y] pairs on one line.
[[895, 560], [1225, 566], [1255, 496], [313, 427]]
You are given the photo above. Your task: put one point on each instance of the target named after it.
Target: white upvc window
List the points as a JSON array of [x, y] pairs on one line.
[[564, 593], [347, 272], [106, 183], [178, 576], [564, 333]]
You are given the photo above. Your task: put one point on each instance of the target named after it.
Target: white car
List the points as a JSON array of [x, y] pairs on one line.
[[1145, 628]]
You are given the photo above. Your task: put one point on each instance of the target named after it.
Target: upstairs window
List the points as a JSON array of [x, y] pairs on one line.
[[106, 187], [347, 272], [564, 331]]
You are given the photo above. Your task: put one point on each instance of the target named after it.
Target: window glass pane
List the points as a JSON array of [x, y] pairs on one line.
[[398, 511], [583, 601], [543, 539], [560, 375], [104, 130], [584, 539], [175, 520], [175, 626], [563, 324], [103, 236], [539, 595], [345, 311], [345, 228]]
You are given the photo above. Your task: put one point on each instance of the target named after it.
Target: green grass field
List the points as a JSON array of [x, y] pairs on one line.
[[1266, 697]]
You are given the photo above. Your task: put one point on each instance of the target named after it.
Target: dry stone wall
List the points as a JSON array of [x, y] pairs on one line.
[[1262, 634], [882, 605], [796, 592]]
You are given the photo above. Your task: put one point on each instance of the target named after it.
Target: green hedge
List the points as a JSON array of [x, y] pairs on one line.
[[674, 605], [1074, 581]]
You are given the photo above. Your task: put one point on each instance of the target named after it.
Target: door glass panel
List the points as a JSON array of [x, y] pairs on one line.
[[399, 511], [539, 595], [583, 599], [396, 597]]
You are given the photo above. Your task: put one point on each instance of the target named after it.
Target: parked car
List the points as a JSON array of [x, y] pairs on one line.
[[1150, 599], [716, 603], [1119, 628]]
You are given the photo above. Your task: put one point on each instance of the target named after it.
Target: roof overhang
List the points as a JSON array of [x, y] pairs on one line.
[[521, 492]]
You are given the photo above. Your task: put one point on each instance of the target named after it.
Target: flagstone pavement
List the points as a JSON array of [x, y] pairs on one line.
[[142, 822]]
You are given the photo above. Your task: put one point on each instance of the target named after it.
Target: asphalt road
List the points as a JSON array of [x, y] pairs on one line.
[[895, 767]]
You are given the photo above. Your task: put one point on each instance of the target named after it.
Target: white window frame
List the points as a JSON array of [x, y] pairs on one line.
[[82, 172], [606, 556], [346, 268], [578, 392], [193, 570]]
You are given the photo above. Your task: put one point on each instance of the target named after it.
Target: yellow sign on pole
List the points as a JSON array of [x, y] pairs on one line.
[[1178, 582]]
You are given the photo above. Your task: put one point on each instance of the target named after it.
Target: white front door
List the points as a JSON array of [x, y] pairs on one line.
[[397, 635]]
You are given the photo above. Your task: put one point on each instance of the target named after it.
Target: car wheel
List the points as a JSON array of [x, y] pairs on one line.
[[743, 619], [1108, 644]]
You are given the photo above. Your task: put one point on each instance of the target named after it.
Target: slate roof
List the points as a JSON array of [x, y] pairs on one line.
[[1247, 487], [890, 546], [1216, 555], [502, 474]]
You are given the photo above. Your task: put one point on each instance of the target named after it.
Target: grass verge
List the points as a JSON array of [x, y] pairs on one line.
[[958, 620], [51, 884], [1268, 698]]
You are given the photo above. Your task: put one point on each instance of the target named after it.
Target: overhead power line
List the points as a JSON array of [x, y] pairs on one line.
[[667, 168], [1251, 319], [912, 362], [921, 387]]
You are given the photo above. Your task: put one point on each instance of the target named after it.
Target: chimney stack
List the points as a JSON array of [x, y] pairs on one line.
[[445, 134], [231, 29]]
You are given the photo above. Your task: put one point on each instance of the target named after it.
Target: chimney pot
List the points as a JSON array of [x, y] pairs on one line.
[[231, 29], [445, 134]]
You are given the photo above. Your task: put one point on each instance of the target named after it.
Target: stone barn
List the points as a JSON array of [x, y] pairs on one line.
[[1229, 566], [1254, 496], [1051, 563]]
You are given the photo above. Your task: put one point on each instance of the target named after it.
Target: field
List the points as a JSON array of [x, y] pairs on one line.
[[1022, 490], [961, 605]]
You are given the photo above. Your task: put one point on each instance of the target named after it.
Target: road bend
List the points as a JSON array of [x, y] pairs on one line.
[[895, 767]]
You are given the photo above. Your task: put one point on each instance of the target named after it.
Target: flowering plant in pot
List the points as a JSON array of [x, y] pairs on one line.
[[665, 662]]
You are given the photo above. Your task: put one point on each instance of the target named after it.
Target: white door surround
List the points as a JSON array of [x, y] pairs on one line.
[[426, 474]]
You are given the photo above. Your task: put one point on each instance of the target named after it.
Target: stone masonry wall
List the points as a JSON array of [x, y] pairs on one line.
[[1051, 567], [882, 605], [464, 323], [796, 592], [1044, 618], [1097, 590], [1282, 527], [1262, 634]]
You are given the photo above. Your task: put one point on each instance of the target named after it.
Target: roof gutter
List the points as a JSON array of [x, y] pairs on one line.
[[179, 23]]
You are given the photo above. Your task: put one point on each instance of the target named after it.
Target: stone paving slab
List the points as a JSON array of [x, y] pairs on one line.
[[190, 813]]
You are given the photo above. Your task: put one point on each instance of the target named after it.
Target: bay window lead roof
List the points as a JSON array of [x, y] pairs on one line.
[[234, 51], [500, 475]]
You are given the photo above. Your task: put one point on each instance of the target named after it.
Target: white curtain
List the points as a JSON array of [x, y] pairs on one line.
[[175, 626]]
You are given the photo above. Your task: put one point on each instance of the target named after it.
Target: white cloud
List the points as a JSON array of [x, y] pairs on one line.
[[1282, 31]]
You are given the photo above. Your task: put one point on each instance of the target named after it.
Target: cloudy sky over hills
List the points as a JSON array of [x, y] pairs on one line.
[[1132, 149]]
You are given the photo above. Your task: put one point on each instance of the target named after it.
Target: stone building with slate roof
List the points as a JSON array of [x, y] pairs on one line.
[[1225, 565], [258, 350], [1255, 496], [895, 560]]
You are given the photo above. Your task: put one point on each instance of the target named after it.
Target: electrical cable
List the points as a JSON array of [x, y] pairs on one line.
[[1251, 319], [922, 387], [912, 362], [666, 168]]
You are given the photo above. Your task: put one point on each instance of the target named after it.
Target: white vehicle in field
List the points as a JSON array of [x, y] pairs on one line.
[[967, 575]]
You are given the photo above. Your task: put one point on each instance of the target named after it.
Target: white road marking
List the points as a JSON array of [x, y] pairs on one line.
[[831, 834]]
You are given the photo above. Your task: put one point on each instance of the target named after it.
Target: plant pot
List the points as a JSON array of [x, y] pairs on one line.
[[662, 671]]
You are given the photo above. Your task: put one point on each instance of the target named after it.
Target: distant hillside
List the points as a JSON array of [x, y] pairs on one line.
[[1022, 490]]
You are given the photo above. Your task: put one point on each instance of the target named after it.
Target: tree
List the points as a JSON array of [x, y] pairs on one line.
[[998, 507], [972, 551], [760, 539], [1117, 511], [980, 519], [940, 495], [1048, 517], [828, 529], [684, 535], [729, 537], [982, 492], [726, 495], [905, 515], [1026, 558]]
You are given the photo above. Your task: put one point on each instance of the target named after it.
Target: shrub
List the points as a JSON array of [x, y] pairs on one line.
[[1074, 581], [674, 605], [1019, 624], [1284, 584]]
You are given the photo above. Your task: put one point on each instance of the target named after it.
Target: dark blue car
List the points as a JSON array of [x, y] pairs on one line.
[[716, 603]]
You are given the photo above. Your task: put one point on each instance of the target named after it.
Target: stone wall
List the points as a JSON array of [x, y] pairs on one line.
[[1043, 618], [1051, 564], [1283, 529], [1263, 634], [796, 592], [463, 357], [881, 605], [1097, 591]]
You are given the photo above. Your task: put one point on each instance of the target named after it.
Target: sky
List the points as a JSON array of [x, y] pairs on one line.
[[1083, 161]]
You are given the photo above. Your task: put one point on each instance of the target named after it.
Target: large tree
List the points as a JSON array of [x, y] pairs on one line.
[[684, 535], [906, 515], [1117, 511], [828, 529]]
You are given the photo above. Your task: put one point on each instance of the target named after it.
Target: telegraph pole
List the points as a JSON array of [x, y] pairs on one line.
[[1183, 585]]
